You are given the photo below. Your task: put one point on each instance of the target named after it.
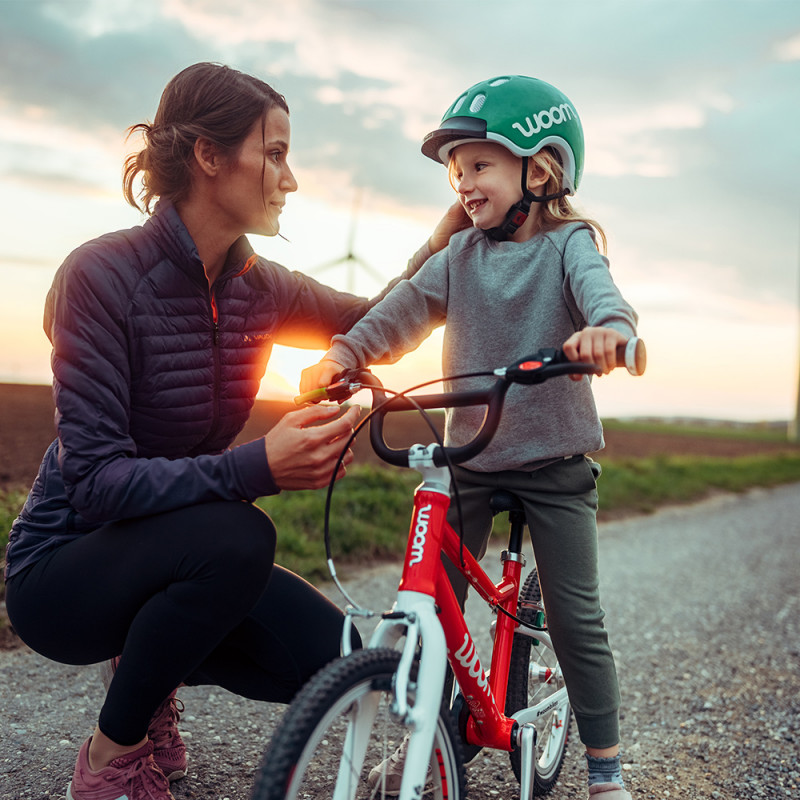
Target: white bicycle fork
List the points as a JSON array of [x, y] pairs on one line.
[[418, 622]]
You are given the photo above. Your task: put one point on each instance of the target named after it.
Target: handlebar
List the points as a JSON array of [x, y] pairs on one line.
[[541, 366]]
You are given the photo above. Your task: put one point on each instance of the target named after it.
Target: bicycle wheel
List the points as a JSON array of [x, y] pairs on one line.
[[309, 757], [534, 675]]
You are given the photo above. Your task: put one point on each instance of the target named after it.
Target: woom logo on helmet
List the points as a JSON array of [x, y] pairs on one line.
[[545, 119]]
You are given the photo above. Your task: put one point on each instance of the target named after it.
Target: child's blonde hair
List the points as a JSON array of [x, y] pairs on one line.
[[558, 211]]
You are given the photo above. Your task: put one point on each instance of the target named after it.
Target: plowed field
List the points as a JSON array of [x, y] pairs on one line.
[[27, 428]]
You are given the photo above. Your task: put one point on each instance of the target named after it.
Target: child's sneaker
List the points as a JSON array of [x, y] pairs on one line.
[[608, 791], [387, 776], [131, 777], [169, 750]]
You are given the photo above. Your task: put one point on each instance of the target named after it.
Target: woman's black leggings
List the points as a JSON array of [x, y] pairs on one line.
[[187, 596]]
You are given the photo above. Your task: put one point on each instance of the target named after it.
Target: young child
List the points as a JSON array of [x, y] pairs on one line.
[[528, 274]]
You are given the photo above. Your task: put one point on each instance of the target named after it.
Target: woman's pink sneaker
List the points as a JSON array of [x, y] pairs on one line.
[[169, 750], [131, 777]]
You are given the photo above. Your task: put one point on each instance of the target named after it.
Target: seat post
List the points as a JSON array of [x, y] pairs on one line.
[[502, 500], [516, 531]]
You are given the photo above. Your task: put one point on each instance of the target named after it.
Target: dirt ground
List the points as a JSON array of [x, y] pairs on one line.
[[27, 428], [693, 735]]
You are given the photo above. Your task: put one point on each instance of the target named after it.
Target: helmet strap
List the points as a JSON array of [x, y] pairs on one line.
[[520, 211]]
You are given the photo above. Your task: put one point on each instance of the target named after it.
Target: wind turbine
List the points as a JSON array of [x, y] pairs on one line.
[[350, 259]]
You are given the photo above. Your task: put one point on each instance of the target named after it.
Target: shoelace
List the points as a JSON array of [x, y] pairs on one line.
[[165, 727], [143, 774]]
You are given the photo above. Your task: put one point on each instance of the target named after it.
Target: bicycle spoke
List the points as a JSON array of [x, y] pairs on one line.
[[340, 727], [535, 676]]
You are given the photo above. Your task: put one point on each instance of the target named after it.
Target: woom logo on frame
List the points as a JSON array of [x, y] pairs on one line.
[[420, 533], [545, 119], [467, 656]]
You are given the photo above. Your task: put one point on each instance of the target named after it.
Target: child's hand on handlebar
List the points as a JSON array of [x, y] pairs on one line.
[[596, 345], [319, 375]]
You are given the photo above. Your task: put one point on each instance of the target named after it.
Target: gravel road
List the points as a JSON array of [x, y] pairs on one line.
[[704, 614]]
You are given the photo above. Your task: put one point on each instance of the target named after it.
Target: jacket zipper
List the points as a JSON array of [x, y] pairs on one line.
[[217, 389], [214, 319], [217, 364]]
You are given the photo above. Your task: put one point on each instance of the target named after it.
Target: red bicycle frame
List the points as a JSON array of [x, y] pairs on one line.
[[423, 572]]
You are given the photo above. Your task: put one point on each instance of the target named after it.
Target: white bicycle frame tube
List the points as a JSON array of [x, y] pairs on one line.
[[420, 624], [533, 713]]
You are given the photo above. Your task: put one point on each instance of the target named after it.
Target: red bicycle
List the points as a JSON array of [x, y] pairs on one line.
[[360, 708]]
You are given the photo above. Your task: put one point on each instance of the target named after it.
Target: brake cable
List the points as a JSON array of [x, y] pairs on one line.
[[357, 429]]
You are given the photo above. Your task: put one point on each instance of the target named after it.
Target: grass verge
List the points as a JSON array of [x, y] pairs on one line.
[[642, 485], [758, 433], [371, 508], [10, 504]]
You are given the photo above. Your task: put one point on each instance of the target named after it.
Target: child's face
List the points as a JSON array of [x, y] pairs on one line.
[[487, 179]]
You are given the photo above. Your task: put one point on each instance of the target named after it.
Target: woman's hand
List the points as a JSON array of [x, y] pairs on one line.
[[304, 446], [595, 345], [454, 220], [319, 375]]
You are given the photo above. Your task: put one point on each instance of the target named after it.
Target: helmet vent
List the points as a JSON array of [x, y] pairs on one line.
[[457, 105], [477, 103], [499, 82]]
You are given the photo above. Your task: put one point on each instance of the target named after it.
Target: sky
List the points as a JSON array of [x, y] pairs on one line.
[[690, 108]]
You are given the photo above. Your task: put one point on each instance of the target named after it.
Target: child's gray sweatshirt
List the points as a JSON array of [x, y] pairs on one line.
[[502, 301]]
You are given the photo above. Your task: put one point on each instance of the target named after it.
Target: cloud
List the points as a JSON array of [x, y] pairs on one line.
[[351, 96], [627, 142], [358, 53], [788, 49], [88, 75], [690, 115], [674, 99], [706, 290], [39, 154], [57, 183], [8, 260]]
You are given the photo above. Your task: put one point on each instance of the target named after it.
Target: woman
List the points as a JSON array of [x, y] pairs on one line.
[[139, 541]]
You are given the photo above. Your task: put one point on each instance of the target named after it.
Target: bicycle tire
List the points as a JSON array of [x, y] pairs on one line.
[[304, 755], [533, 675]]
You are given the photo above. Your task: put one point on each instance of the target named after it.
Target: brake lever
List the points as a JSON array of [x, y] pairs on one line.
[[549, 362], [543, 365]]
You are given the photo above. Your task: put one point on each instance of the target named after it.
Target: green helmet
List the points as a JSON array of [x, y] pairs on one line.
[[522, 114]]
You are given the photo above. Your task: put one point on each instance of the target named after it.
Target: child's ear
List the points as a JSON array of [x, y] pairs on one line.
[[537, 174]]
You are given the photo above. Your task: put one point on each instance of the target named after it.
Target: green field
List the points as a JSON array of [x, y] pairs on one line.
[[365, 526], [754, 432], [371, 507]]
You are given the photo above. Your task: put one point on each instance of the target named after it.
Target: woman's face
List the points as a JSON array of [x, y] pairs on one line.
[[257, 179]]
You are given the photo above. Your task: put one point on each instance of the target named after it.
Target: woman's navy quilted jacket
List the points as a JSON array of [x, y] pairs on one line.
[[155, 375]]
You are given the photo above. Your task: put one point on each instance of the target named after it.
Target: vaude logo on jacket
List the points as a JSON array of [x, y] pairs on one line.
[[420, 533], [545, 119]]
